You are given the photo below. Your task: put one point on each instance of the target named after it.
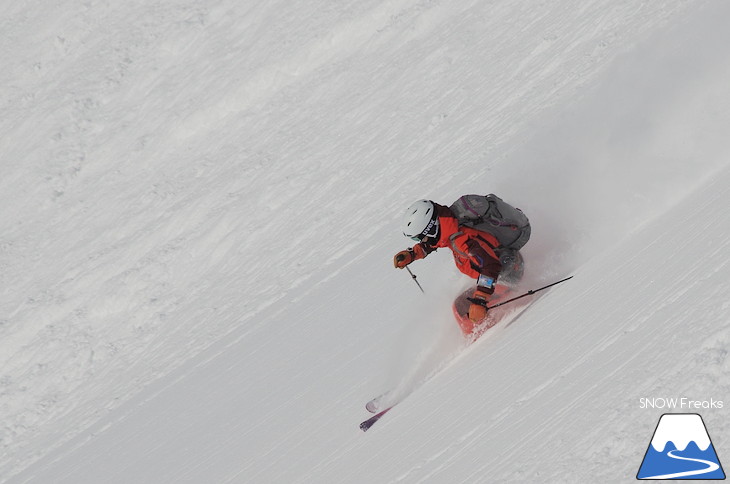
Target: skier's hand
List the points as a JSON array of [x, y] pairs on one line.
[[403, 258]]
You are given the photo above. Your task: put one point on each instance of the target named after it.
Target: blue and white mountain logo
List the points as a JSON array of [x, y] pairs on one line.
[[681, 449]]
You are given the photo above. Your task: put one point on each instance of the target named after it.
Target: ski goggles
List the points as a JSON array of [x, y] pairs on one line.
[[431, 230]]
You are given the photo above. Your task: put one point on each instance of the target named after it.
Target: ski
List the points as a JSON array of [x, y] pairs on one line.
[[364, 426], [374, 405]]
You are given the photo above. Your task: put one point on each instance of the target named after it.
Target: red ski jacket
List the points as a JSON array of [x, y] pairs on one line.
[[474, 250]]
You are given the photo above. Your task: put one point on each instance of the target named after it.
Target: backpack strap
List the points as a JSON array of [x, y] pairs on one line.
[[452, 240], [473, 213]]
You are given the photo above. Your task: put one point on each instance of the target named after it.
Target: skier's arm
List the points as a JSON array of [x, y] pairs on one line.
[[482, 261]]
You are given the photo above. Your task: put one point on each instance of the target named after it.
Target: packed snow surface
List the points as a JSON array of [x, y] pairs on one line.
[[201, 201]]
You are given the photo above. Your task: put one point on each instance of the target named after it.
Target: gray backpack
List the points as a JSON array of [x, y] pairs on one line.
[[491, 214]]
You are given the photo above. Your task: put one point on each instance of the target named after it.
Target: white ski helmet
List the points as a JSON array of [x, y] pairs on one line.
[[420, 220]]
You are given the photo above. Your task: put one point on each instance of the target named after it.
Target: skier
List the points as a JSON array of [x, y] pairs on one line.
[[478, 251]]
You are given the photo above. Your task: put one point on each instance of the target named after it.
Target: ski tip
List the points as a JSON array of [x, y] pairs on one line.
[[364, 426]]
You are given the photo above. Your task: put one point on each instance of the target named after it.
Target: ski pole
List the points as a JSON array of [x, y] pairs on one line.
[[528, 293], [413, 276]]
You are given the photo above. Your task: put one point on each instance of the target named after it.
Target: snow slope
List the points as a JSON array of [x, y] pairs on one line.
[[202, 202]]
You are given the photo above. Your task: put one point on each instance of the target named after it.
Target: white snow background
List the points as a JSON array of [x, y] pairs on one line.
[[201, 201]]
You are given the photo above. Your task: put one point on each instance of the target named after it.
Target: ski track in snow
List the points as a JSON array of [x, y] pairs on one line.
[[201, 205]]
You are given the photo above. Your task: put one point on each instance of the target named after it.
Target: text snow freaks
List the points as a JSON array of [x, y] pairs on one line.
[[681, 403]]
